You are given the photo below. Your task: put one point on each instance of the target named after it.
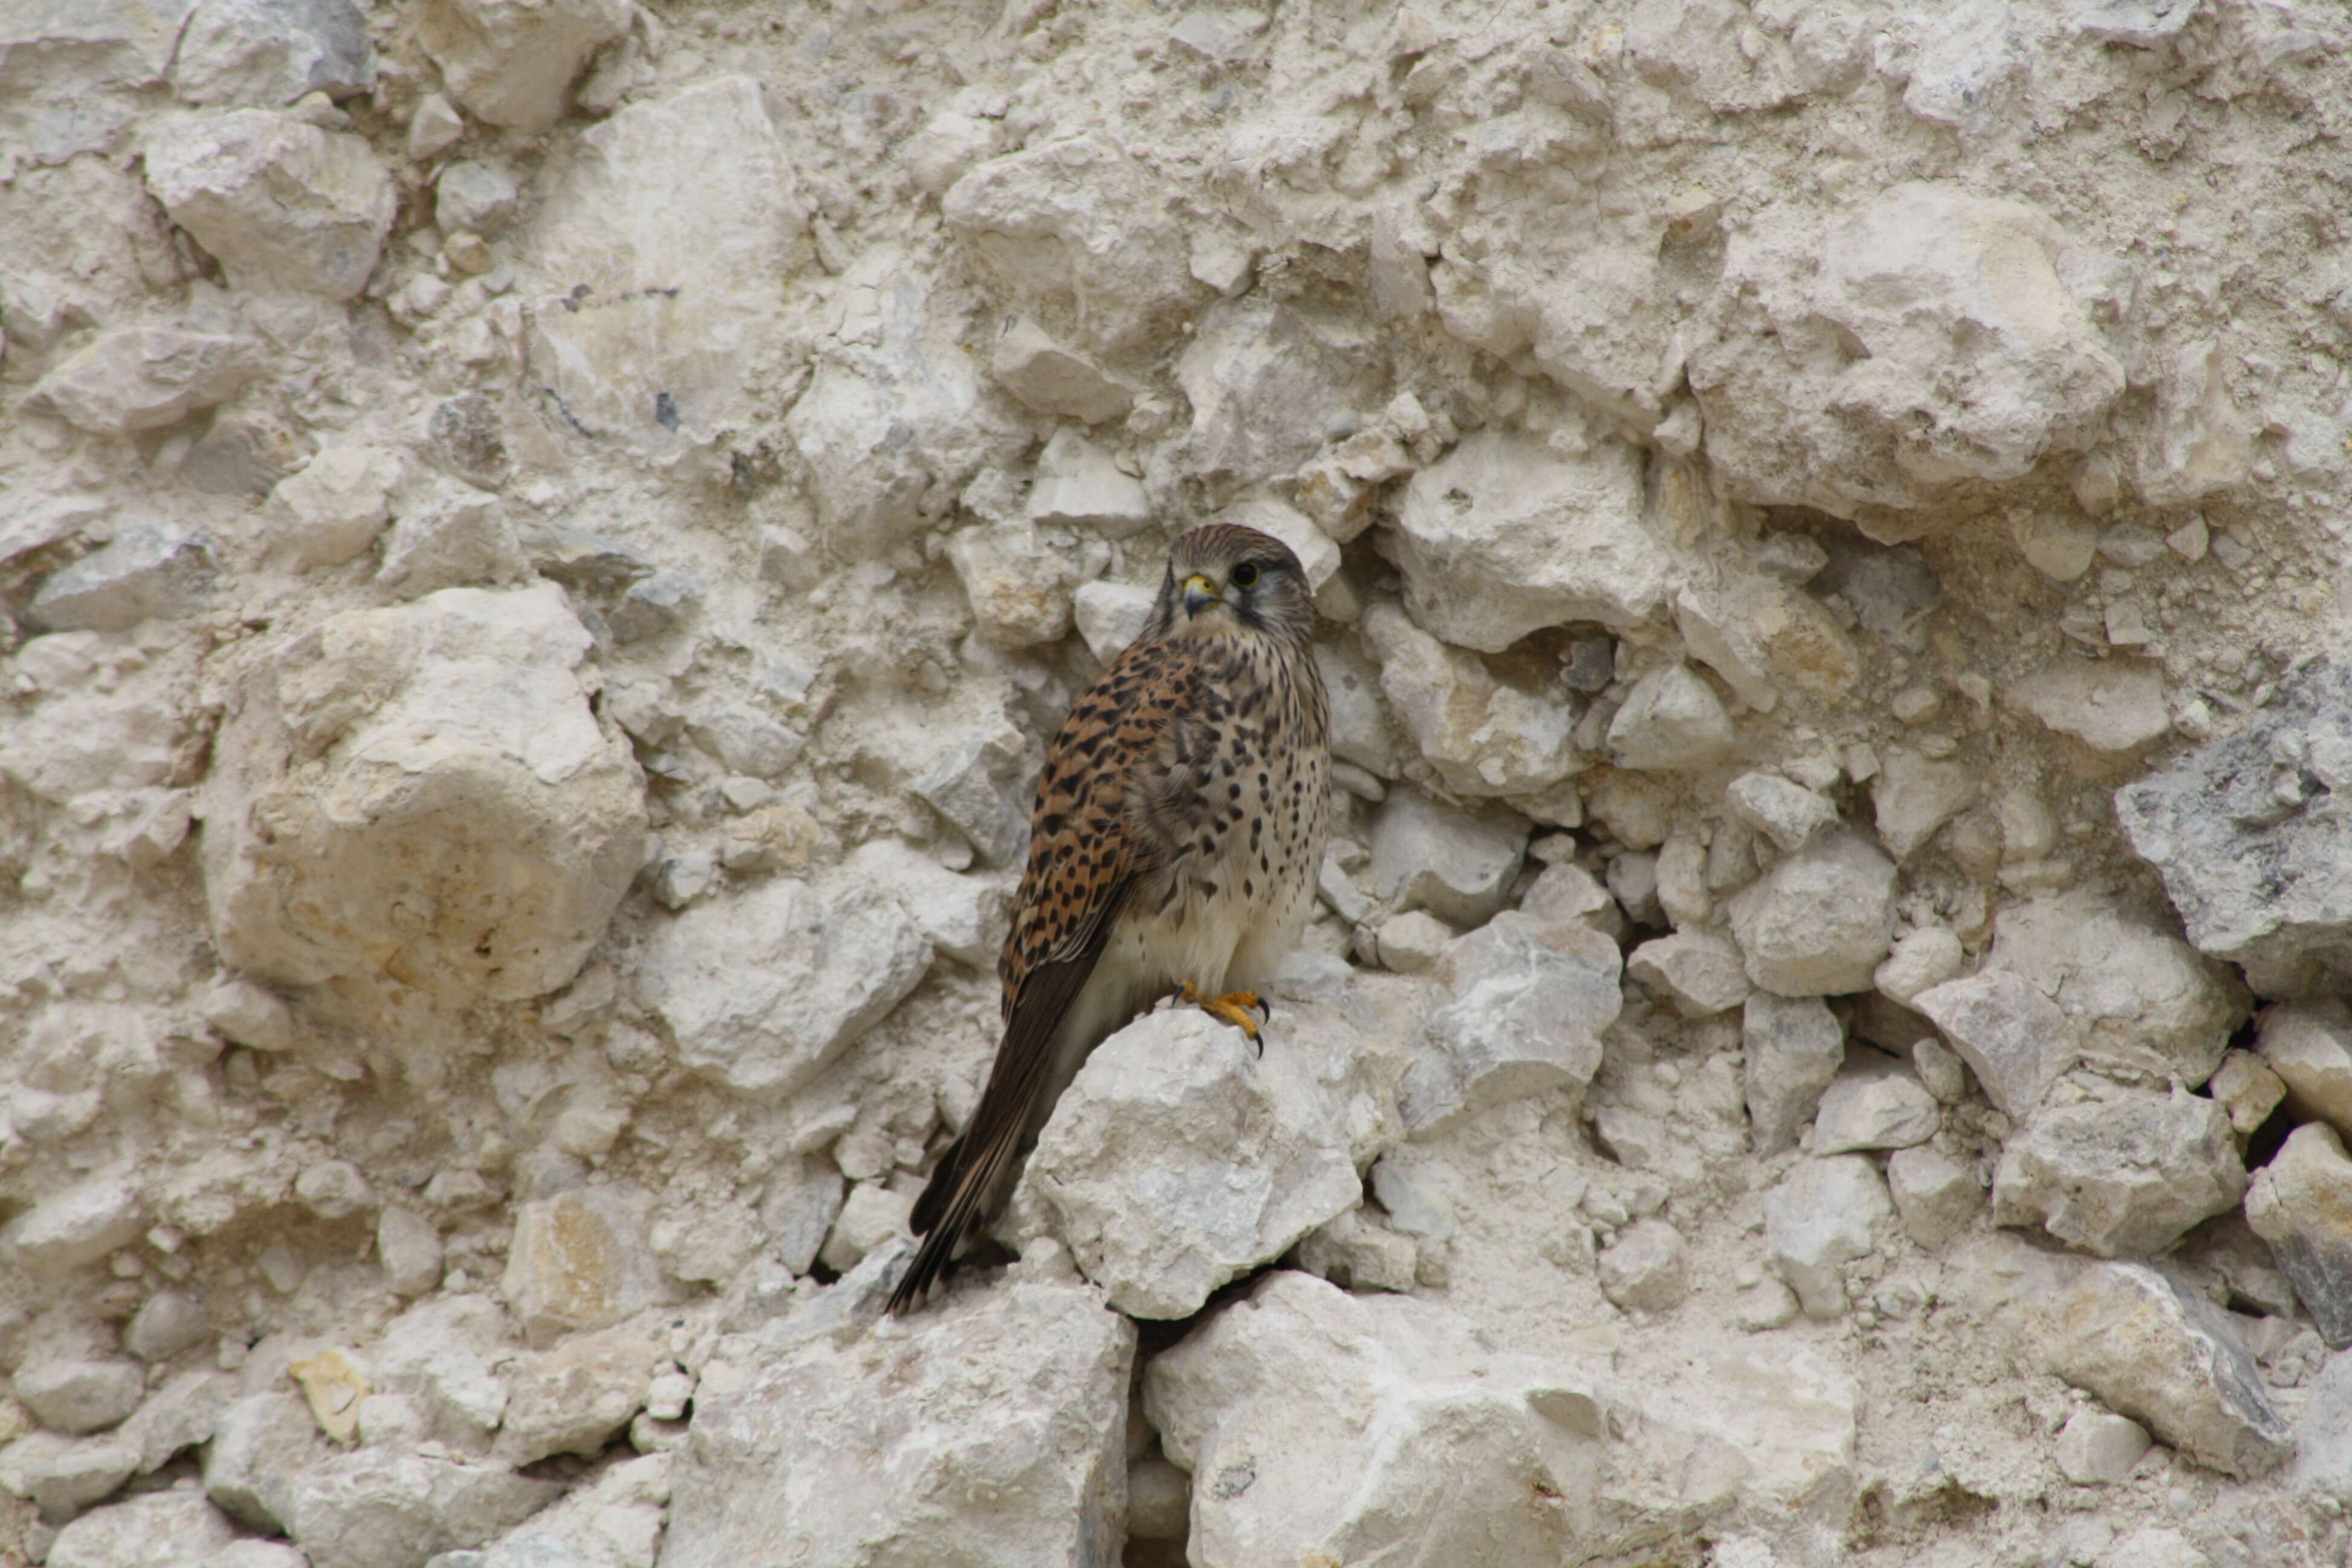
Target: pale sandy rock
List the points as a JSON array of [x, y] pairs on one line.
[[1072, 228], [1819, 922], [1671, 719], [1017, 585], [144, 378], [1525, 1007], [2098, 1448], [1158, 1501], [654, 256], [1426, 854], [761, 990], [1645, 1268], [409, 1247], [1934, 1196], [2245, 833], [1016, 1394], [268, 53], [1789, 814], [1356, 1251], [157, 1530], [1109, 616], [152, 570], [1485, 738], [376, 1509], [475, 195], [2301, 1203], [1874, 1103], [1978, 359], [2013, 1037], [573, 1398], [962, 916], [2322, 1458], [797, 1209], [1913, 797], [2107, 704], [79, 1396], [1565, 892], [871, 1215], [1177, 1160], [2247, 1088], [1819, 1218], [1921, 958], [1447, 1439], [280, 203], [1679, 871], [2156, 1352], [259, 1444], [1051, 378], [439, 1353], [1790, 1050], [2199, 442], [61, 1476], [2310, 1049], [438, 756], [1699, 970], [611, 1520], [166, 1323], [1501, 538], [334, 1189], [2143, 23], [1409, 942], [1764, 636], [1266, 382], [331, 510], [979, 784], [581, 1260], [2129, 1170], [1079, 485], [512, 62], [74, 1226]]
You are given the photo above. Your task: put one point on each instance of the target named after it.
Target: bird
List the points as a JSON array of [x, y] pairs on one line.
[[1174, 848]]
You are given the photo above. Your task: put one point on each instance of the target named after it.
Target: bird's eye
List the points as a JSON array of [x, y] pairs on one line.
[[1246, 574]]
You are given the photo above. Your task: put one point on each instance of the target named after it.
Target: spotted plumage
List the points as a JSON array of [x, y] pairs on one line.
[[1173, 847]]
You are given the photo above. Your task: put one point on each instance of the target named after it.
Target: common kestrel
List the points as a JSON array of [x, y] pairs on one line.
[[1173, 848]]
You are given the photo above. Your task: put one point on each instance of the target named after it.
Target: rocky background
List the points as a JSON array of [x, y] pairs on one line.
[[540, 542]]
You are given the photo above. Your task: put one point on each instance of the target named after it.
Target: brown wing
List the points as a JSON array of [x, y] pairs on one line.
[[1101, 830]]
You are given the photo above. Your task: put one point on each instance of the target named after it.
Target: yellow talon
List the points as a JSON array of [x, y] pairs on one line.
[[1233, 1008]]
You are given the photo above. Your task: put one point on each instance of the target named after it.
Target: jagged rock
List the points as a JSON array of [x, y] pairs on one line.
[[1819, 1218], [511, 62], [1502, 537], [1018, 587], [1912, 797], [1526, 1005], [1920, 959], [870, 1217], [74, 1226], [144, 378], [2152, 1350], [2012, 1036], [438, 1354], [166, 1323], [1028, 362], [280, 203], [1789, 814], [1791, 1050], [2247, 1089], [573, 1399], [79, 1396], [1699, 970], [1266, 381], [1079, 485], [1874, 1103], [2310, 1049], [1357, 1252], [260, 1444], [581, 1260], [1671, 718], [1935, 1197], [378, 1509], [802, 1199], [1764, 636], [761, 990], [2323, 1437], [409, 1248], [439, 756], [2098, 1448], [2129, 1170], [1458, 1454], [268, 53], [1643, 1270], [474, 194], [2107, 704], [151, 570], [1177, 1160], [1409, 942], [2301, 1203], [979, 784], [1110, 616], [1483, 736], [1428, 855], [329, 511], [1015, 1393], [157, 1530], [2252, 852], [1818, 923]]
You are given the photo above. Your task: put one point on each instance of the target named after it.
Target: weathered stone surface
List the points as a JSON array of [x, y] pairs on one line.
[[1643, 1269], [1976, 358], [2012, 1036], [1764, 638], [1485, 736], [157, 1530], [1526, 1004], [1079, 485], [2098, 1448], [1671, 719], [2252, 852], [1502, 537], [74, 1226], [179, 1413], [151, 570], [2159, 1353], [2108, 705], [329, 511], [260, 1444], [2301, 1203], [409, 1247], [1177, 1160], [1790, 1050], [1109, 616], [1818, 923], [511, 62], [280, 203], [2323, 1437], [166, 1323], [2309, 1047], [2247, 1088], [573, 1398], [1921, 958], [144, 378], [1699, 970], [2129, 1170], [422, 794], [1356, 1251], [268, 53], [1455, 1450], [1912, 797], [1428, 855], [1874, 1103], [647, 255], [760, 990], [79, 1396], [1935, 1197], [1789, 814], [1028, 362], [449, 535], [1001, 1414], [1819, 1218], [377, 1510], [581, 1260], [1267, 381], [474, 194]]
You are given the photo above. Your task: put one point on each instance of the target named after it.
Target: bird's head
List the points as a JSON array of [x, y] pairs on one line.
[[1226, 578]]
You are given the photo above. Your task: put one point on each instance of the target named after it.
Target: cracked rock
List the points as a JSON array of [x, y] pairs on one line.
[[280, 201], [1818, 1219], [1791, 1050], [1819, 922], [2129, 1170], [2301, 1203], [1527, 1004]]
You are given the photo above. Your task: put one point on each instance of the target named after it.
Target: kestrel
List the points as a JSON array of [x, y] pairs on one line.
[[1173, 848]]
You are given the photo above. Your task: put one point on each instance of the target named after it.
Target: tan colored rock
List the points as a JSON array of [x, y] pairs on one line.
[[280, 201], [580, 1260], [512, 62]]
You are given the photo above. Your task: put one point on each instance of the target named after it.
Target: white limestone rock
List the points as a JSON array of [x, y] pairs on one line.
[[1764, 636], [652, 259], [166, 1323], [1502, 537], [2110, 705], [2098, 1448], [379, 1510], [1645, 1268], [1874, 1103], [1266, 382], [2323, 1437], [1698, 969], [331, 508], [2012, 1036], [1921, 958], [2154, 1351], [1177, 1160], [278, 202], [2301, 1203], [761, 990], [422, 794], [408, 1246], [1935, 1196], [1976, 357], [512, 62], [1525, 1007], [581, 1260], [1428, 855], [265, 54], [999, 1414], [1079, 486], [1819, 922], [143, 378], [1671, 719], [1791, 1050], [1033, 367], [1358, 1251], [871, 1216], [80, 1395], [2309, 1047], [474, 194], [449, 535], [981, 784], [962, 916], [573, 1398], [74, 1226], [1486, 737], [1446, 1442], [1789, 814], [152, 570], [260, 1444], [1912, 797], [1819, 1218], [1019, 588], [1109, 616], [156, 1530], [2129, 1170]]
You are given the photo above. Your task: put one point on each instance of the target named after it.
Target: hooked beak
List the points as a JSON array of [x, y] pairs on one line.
[[1200, 594]]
